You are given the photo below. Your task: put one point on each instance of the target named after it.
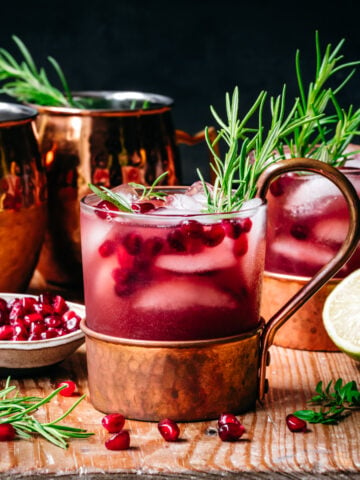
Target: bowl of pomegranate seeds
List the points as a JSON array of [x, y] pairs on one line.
[[38, 331]]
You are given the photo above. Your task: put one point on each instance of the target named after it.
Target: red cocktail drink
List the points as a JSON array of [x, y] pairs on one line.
[[170, 272]]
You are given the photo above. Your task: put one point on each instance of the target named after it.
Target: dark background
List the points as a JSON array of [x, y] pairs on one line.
[[193, 51]]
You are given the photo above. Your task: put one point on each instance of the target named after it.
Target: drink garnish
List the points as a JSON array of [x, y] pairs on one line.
[[16, 410], [336, 402]]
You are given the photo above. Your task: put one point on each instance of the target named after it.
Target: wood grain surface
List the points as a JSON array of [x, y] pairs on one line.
[[268, 450]]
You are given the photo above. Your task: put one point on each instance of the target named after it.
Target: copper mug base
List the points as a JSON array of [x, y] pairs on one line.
[[186, 381], [304, 330]]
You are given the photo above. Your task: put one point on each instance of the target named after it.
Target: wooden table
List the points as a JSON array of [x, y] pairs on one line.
[[268, 450]]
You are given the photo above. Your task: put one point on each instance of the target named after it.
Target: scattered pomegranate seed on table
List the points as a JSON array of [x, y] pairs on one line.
[[229, 428], [296, 424], [70, 388], [118, 441], [7, 432], [113, 422], [169, 430]]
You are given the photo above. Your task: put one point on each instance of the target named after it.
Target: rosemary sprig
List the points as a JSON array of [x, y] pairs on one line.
[[27, 83], [148, 192], [249, 150], [17, 411], [327, 137], [108, 195], [336, 403]]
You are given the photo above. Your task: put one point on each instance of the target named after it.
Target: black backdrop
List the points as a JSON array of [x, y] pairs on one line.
[[193, 51]]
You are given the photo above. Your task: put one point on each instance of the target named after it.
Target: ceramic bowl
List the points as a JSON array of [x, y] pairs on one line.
[[25, 355]]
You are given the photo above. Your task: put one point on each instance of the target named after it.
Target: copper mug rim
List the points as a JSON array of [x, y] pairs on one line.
[[111, 104]]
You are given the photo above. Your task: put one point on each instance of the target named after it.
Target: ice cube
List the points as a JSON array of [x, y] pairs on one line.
[[331, 231], [180, 294], [214, 258], [94, 237], [304, 252], [313, 196]]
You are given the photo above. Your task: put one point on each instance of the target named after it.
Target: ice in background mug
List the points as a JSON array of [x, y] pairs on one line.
[[173, 326], [121, 137], [22, 197]]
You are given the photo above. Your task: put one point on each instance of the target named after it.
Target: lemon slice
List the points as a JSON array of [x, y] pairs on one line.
[[341, 315]]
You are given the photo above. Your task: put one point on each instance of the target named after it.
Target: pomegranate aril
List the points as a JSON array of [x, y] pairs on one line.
[[107, 248], [214, 236], [4, 317], [169, 430], [246, 224], [28, 304], [20, 331], [192, 229], [113, 422], [3, 305], [241, 246], [32, 318], [6, 332], [53, 321], [118, 441], [177, 240], [296, 424], [48, 333], [132, 243], [46, 298], [59, 305], [72, 324], [37, 329], [228, 418], [152, 246], [17, 310], [230, 432], [43, 308], [142, 207], [300, 232], [105, 209], [7, 432], [70, 388], [233, 228]]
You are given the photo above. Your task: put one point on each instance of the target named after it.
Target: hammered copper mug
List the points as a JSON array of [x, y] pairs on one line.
[[118, 137], [22, 197]]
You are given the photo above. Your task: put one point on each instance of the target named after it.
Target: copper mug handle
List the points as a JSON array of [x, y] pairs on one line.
[[187, 139], [328, 270]]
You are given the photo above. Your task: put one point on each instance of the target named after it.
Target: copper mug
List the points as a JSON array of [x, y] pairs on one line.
[[119, 137], [22, 197], [190, 380]]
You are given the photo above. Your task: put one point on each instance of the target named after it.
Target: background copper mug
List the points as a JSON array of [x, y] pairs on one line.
[[120, 137], [22, 197]]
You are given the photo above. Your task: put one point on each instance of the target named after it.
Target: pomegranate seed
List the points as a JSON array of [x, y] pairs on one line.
[[43, 308], [246, 224], [215, 235], [229, 427], [153, 246], [19, 338], [49, 333], [52, 321], [132, 243], [296, 424], [142, 207], [20, 330], [177, 241], [104, 209], [192, 229], [300, 232], [241, 246], [227, 418], [276, 187], [28, 304], [118, 441], [230, 432], [37, 329], [72, 324], [7, 432], [113, 422], [6, 332], [46, 298], [3, 305], [107, 248], [169, 430], [32, 318], [17, 310], [4, 317], [62, 331], [68, 390], [59, 305]]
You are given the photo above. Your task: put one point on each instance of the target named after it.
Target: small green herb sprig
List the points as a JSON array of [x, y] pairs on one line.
[[326, 137], [17, 410], [121, 202], [336, 401], [27, 83], [249, 150]]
